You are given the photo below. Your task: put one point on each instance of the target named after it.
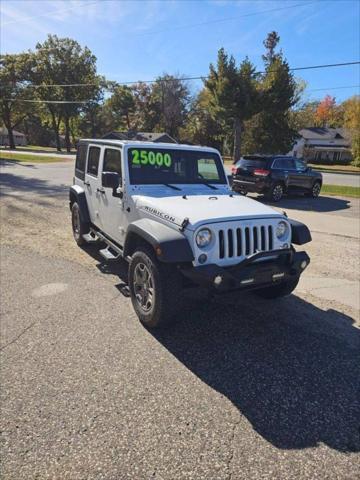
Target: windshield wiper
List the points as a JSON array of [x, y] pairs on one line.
[[171, 186], [209, 185]]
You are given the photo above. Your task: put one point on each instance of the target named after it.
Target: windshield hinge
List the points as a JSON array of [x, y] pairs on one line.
[[184, 224]]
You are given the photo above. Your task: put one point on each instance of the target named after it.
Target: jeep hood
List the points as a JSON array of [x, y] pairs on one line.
[[202, 209]]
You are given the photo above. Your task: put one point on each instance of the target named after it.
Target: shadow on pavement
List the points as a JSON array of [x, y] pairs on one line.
[[282, 363], [320, 204], [292, 369], [10, 163], [19, 183]]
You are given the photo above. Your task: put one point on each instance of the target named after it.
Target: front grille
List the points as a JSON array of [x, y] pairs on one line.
[[240, 242]]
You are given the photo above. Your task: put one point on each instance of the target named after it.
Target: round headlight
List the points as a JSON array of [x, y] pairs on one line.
[[203, 237], [282, 230]]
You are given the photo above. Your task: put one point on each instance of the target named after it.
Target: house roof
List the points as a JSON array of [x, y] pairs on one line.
[[4, 131], [324, 133], [141, 136]]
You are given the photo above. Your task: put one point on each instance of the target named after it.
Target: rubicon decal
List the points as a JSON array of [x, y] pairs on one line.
[[163, 215]]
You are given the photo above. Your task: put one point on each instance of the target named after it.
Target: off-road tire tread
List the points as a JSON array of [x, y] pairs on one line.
[[167, 288], [84, 227]]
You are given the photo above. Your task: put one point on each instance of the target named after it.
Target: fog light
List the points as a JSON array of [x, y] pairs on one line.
[[303, 264], [202, 258], [218, 280], [247, 281]]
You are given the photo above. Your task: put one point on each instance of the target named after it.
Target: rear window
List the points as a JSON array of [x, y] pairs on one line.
[[93, 161], [80, 161], [256, 162]]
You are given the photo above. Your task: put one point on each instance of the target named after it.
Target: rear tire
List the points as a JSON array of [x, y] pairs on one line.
[[154, 288], [276, 192], [79, 227], [282, 289]]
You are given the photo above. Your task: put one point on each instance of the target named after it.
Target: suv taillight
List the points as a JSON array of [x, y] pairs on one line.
[[262, 172], [234, 170]]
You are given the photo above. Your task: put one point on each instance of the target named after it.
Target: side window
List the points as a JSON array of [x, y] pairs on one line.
[[80, 161], [300, 165], [93, 161], [278, 164], [207, 169], [112, 161]]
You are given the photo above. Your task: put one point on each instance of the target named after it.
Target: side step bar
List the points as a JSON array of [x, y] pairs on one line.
[[112, 252], [90, 237]]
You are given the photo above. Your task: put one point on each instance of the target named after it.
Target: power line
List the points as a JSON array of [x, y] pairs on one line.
[[88, 101], [220, 20], [333, 88], [311, 67]]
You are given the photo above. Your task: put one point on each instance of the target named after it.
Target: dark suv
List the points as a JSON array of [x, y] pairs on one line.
[[275, 176]]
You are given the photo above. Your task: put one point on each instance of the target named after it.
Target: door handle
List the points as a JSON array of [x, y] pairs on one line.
[[100, 190], [87, 184]]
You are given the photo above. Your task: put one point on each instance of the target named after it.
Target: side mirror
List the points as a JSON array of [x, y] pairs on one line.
[[112, 180]]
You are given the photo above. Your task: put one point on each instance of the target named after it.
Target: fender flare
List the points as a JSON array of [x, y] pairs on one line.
[[170, 245], [77, 194], [300, 233]]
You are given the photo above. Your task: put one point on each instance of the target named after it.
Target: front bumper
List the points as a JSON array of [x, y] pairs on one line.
[[256, 271]]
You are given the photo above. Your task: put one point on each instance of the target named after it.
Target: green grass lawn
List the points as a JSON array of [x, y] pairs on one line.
[[341, 190], [22, 157], [335, 168]]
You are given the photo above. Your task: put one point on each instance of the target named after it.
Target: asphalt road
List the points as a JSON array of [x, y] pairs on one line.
[[239, 388]]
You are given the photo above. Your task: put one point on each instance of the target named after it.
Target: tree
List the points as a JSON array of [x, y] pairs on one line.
[[122, 106], [352, 124], [14, 80], [68, 73], [271, 131], [304, 115], [325, 112], [233, 95], [169, 101], [201, 128]]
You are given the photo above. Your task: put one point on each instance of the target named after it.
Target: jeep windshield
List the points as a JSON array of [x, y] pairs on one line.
[[149, 166]]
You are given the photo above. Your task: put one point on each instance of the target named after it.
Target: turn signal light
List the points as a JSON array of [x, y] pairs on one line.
[[262, 172]]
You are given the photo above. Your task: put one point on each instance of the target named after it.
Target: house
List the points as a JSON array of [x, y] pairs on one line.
[[323, 145], [19, 138], [141, 136]]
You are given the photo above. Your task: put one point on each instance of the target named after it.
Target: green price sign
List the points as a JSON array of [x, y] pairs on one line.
[[148, 157]]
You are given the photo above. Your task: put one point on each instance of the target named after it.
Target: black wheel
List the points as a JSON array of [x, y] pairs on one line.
[[154, 288], [276, 192], [79, 227], [279, 290], [315, 190]]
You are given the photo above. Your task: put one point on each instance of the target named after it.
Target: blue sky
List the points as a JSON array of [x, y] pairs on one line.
[[138, 40]]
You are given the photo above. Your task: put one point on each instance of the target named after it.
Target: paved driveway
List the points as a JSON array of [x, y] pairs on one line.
[[239, 388]]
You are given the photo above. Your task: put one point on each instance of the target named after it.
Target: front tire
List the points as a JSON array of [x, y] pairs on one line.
[[315, 190], [79, 227], [154, 288], [282, 289]]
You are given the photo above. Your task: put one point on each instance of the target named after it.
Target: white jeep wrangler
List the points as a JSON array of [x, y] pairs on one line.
[[169, 211]]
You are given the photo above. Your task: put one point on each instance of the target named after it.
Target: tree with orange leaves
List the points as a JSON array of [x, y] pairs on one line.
[[326, 112]]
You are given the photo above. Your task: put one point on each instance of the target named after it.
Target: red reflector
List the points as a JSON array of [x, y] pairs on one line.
[[261, 171]]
